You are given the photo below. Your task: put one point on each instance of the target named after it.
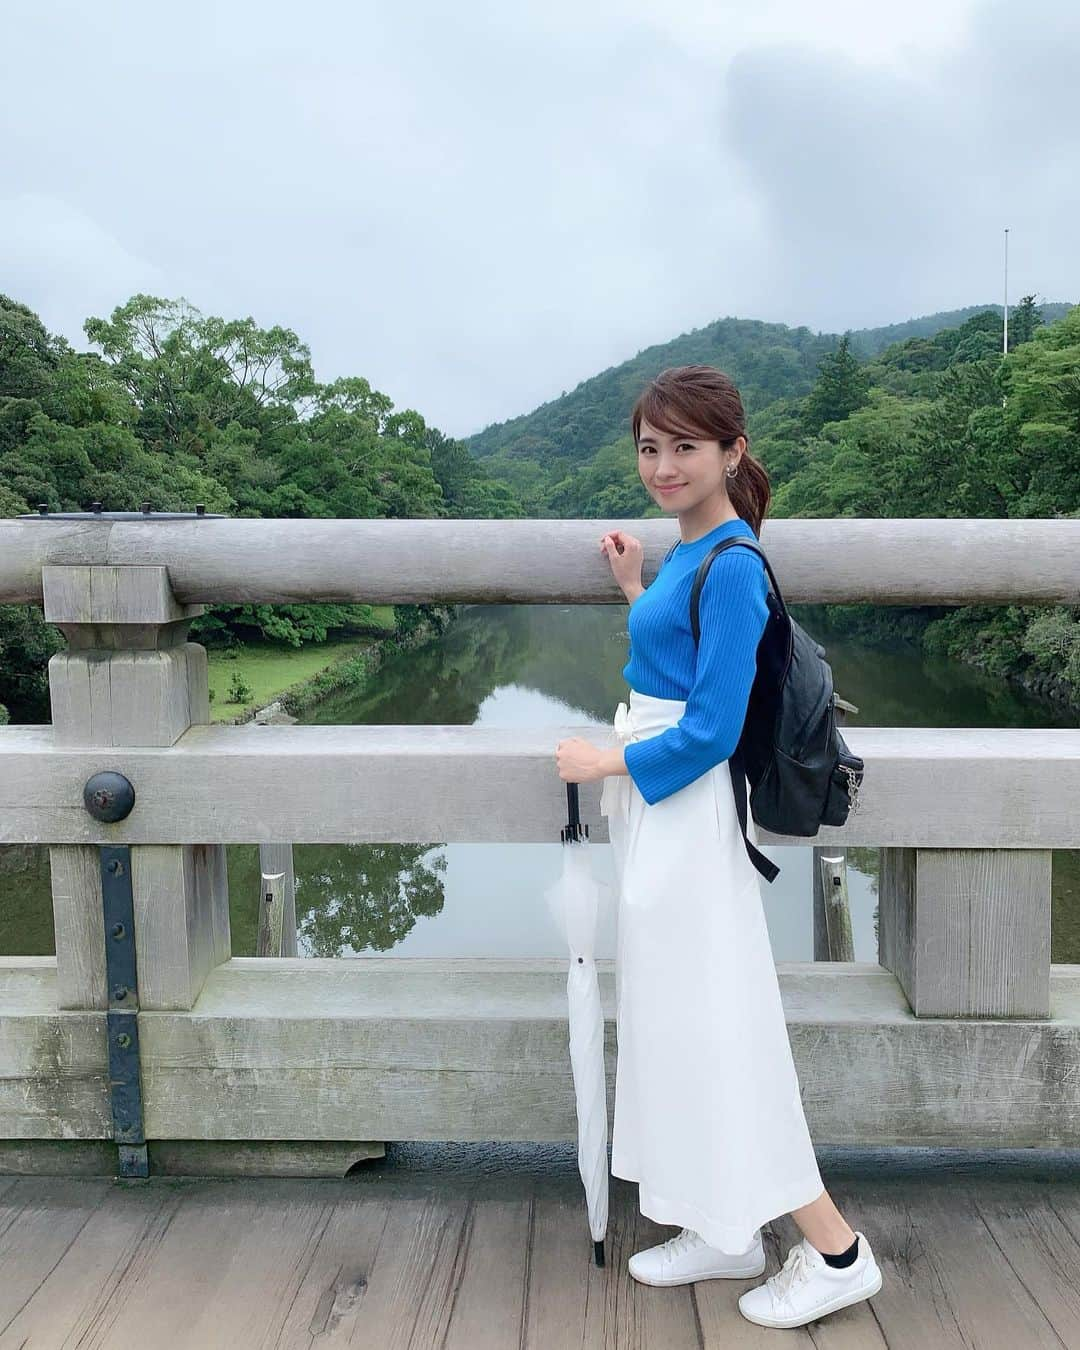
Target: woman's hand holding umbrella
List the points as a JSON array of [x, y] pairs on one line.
[[580, 761]]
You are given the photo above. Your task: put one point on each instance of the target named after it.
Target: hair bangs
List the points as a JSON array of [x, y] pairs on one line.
[[657, 407]]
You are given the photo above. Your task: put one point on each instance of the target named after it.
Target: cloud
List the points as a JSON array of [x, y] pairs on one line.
[[64, 263], [478, 206], [885, 186]]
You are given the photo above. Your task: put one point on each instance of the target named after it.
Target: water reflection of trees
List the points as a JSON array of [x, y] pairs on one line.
[[368, 897], [352, 897], [349, 897]]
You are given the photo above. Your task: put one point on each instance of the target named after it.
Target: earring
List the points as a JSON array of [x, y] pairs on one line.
[[732, 472]]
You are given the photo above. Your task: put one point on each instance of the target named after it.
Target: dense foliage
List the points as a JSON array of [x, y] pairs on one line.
[[768, 361], [921, 419], [178, 408], [937, 424]]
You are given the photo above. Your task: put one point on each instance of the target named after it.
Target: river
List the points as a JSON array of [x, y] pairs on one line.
[[553, 665]]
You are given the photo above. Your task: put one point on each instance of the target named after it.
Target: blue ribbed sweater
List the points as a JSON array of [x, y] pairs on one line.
[[715, 679]]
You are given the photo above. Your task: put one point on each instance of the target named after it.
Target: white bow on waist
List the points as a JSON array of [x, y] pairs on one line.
[[615, 797]]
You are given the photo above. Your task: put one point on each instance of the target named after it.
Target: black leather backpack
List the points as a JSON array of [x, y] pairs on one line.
[[801, 773]]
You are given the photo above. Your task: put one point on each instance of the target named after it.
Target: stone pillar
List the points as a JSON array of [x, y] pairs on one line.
[[130, 677]]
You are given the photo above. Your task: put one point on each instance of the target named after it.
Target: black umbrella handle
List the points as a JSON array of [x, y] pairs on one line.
[[574, 829]]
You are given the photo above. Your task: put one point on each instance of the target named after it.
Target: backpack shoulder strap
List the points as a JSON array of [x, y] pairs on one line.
[[703, 571], [768, 869], [737, 769]]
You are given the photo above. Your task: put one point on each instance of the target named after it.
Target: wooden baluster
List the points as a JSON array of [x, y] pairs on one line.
[[827, 864], [966, 931], [130, 677]]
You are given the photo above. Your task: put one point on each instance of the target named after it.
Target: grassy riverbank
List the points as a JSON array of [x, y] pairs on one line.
[[302, 677], [272, 668]]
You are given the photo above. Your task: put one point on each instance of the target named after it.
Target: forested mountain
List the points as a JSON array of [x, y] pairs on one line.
[[177, 408], [867, 342], [766, 360], [938, 424]]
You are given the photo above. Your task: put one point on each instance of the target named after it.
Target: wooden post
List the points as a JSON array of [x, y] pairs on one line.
[[837, 913], [130, 677], [823, 947], [275, 858], [271, 906], [966, 931]]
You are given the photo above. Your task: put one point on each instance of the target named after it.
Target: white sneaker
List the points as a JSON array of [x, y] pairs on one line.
[[687, 1257], [806, 1286]]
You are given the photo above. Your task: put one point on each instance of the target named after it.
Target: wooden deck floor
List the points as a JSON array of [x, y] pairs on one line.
[[981, 1252]]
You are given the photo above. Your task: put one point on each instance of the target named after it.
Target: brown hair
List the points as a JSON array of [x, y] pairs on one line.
[[702, 401]]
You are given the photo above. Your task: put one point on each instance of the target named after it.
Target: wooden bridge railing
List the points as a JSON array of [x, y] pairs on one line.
[[964, 1033]]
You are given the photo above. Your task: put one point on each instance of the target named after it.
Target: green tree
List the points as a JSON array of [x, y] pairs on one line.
[[1023, 321], [29, 355], [1041, 380], [842, 386], [189, 374]]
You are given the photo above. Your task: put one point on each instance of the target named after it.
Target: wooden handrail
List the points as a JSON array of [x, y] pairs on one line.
[[949, 787], [223, 561]]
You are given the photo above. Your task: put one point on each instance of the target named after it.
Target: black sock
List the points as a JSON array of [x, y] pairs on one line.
[[843, 1258]]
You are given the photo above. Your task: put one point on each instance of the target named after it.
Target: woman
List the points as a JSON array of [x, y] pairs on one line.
[[708, 1112]]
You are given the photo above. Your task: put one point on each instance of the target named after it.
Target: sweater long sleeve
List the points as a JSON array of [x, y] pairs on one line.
[[715, 679]]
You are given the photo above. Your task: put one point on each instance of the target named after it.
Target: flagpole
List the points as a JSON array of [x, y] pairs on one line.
[[1005, 347]]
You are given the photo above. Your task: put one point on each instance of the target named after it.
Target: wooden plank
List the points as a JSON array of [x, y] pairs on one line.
[[181, 902], [1036, 1228], [397, 1259], [273, 1158], [225, 1270], [566, 1292], [893, 562], [450, 1042], [77, 1297], [58, 1157], [406, 1299], [946, 1282], [329, 1290], [40, 1219], [572, 1303], [106, 594], [402, 783], [53, 1065], [488, 1302], [393, 1048], [78, 922], [120, 698]]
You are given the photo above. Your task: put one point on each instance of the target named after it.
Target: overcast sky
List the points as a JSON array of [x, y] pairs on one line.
[[477, 206]]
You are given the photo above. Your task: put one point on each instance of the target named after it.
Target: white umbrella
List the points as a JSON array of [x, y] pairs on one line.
[[573, 901]]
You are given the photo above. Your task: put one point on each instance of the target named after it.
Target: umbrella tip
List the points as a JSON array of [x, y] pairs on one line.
[[598, 1252]]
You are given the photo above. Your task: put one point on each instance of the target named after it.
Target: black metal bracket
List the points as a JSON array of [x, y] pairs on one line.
[[125, 1081]]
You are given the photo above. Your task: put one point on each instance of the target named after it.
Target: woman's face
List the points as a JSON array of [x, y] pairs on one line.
[[692, 467]]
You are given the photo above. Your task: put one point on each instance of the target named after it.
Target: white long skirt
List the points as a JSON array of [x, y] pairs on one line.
[[708, 1111]]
